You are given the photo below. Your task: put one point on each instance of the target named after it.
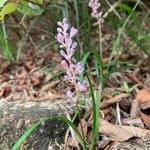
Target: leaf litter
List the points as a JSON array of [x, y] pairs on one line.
[[133, 111], [25, 81]]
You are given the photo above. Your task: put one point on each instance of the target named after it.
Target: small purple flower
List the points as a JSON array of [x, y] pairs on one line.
[[60, 37], [73, 32], [63, 54], [79, 68], [64, 64], [83, 86], [69, 94], [67, 78]]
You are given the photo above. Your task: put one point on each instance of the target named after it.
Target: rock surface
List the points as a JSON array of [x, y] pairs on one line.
[[16, 117]]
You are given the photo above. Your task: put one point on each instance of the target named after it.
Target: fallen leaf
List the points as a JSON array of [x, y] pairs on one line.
[[49, 96], [82, 127], [146, 119], [133, 121], [121, 132], [4, 78], [5, 91], [143, 97], [105, 112], [73, 143], [29, 65], [102, 144], [113, 100], [36, 80], [16, 96], [134, 77], [135, 108], [2, 92], [47, 86]]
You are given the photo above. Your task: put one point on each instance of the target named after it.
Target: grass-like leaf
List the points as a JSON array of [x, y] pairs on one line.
[[117, 42], [95, 108]]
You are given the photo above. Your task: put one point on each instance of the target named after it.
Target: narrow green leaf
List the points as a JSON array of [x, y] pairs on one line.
[[95, 109], [37, 1], [99, 65], [25, 135], [84, 61], [124, 7]]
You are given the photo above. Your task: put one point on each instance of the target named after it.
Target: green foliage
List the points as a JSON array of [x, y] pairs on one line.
[[117, 41], [5, 44], [2, 2], [128, 89], [7, 9], [38, 1], [31, 8], [133, 30]]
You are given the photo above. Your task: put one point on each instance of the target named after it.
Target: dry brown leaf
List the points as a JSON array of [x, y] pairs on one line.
[[133, 121], [102, 144], [105, 112], [113, 100], [29, 65], [22, 74], [121, 133], [5, 91], [143, 97], [73, 143], [47, 86], [49, 96], [146, 119], [145, 105], [36, 80], [134, 77], [89, 136], [16, 96], [4, 78], [135, 108], [82, 126], [2, 92]]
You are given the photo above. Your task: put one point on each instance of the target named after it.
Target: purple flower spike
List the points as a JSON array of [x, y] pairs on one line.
[[65, 38], [95, 6]]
